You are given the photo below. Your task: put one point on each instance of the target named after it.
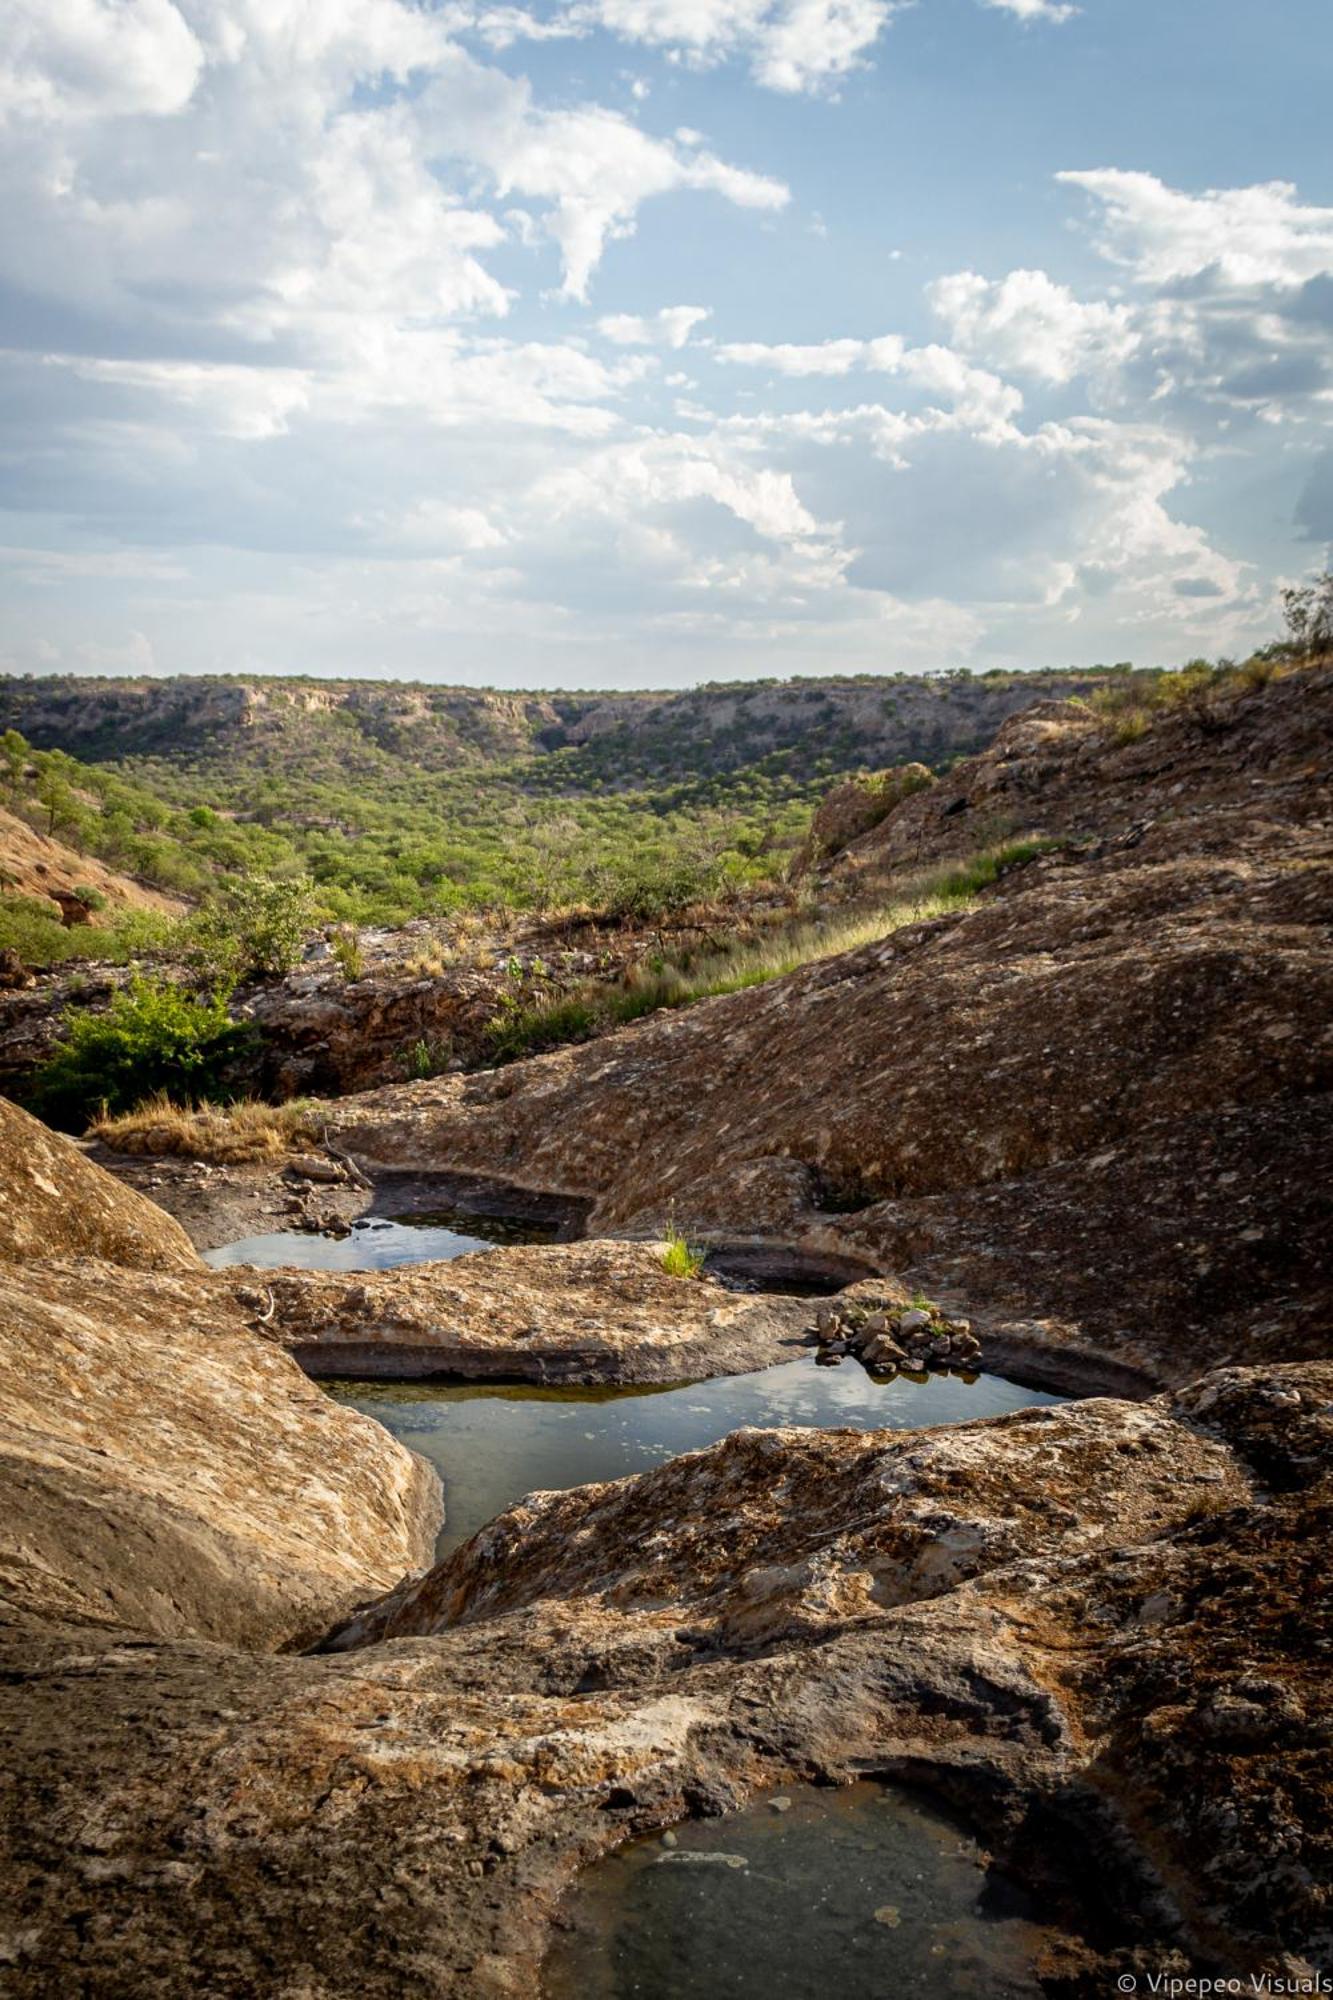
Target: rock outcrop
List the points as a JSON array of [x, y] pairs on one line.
[[570, 1312], [164, 1470], [1089, 1115], [1147, 1011], [1098, 1631], [56, 1203]]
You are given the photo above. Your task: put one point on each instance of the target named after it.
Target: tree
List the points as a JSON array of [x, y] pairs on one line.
[[1308, 610]]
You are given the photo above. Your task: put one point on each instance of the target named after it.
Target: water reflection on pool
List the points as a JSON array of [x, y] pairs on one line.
[[493, 1443], [378, 1243]]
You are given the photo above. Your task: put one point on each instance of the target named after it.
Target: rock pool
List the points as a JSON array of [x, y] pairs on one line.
[[866, 1892], [492, 1442]]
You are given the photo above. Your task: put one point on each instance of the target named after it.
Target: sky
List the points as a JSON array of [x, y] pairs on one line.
[[616, 343]]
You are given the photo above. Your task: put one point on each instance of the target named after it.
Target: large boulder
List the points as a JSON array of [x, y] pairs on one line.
[[56, 1203], [163, 1469]]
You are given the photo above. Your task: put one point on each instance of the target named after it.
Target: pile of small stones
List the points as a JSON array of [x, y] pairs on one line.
[[309, 1171], [884, 1334]]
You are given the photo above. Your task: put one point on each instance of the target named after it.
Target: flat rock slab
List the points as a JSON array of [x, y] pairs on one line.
[[564, 1312]]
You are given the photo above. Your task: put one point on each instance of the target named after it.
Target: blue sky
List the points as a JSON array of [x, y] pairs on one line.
[[641, 342]]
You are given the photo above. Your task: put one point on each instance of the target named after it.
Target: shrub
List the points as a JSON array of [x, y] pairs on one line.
[[424, 1059], [155, 1037], [253, 929], [31, 926], [1308, 610], [348, 954]]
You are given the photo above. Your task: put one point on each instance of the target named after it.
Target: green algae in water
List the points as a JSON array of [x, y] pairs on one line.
[[865, 1893], [492, 1443]]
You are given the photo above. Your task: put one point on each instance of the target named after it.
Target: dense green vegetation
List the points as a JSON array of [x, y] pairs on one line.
[[153, 1039], [372, 804], [400, 801]]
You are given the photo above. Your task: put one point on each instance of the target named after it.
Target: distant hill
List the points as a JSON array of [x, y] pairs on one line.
[[813, 727], [403, 800]]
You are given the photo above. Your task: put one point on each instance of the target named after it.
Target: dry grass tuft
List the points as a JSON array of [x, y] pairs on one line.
[[225, 1134]]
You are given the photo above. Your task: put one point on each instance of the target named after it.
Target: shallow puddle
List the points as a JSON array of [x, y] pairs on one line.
[[492, 1443], [377, 1243], [865, 1893]]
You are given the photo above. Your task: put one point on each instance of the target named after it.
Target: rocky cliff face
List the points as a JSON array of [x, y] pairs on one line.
[[666, 736]]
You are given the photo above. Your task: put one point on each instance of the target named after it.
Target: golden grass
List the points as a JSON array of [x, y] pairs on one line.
[[226, 1134], [593, 1008]]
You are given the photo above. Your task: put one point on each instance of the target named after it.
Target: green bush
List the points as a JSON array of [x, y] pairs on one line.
[[31, 926], [253, 929], [154, 1037]]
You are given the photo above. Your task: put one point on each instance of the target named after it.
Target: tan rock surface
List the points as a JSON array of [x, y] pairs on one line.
[[568, 1312], [162, 1469], [56, 1203], [1128, 1701]]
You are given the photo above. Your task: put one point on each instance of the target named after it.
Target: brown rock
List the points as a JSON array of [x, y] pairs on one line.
[[568, 1312], [54, 1202], [163, 1469]]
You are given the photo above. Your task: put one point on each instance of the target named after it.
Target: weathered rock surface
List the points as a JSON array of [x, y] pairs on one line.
[[1091, 1117], [569, 1312], [1152, 1014], [1098, 1630], [162, 1469], [54, 1203]]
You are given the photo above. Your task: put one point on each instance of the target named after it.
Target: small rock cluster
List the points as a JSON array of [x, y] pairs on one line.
[[307, 1172], [884, 1333]]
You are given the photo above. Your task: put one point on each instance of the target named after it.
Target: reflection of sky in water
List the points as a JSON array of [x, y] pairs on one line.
[[865, 1893], [377, 1244], [491, 1445]]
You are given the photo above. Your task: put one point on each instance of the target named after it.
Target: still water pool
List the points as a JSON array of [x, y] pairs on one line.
[[377, 1243], [866, 1893], [492, 1443]]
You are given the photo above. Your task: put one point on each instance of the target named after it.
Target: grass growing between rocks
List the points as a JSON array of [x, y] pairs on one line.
[[595, 1009], [679, 1257], [227, 1135]]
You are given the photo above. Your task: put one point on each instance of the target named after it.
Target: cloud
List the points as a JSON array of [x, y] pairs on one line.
[[1228, 323], [289, 383], [977, 398], [1031, 324], [671, 327], [791, 46], [1260, 235], [1036, 10], [86, 58]]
